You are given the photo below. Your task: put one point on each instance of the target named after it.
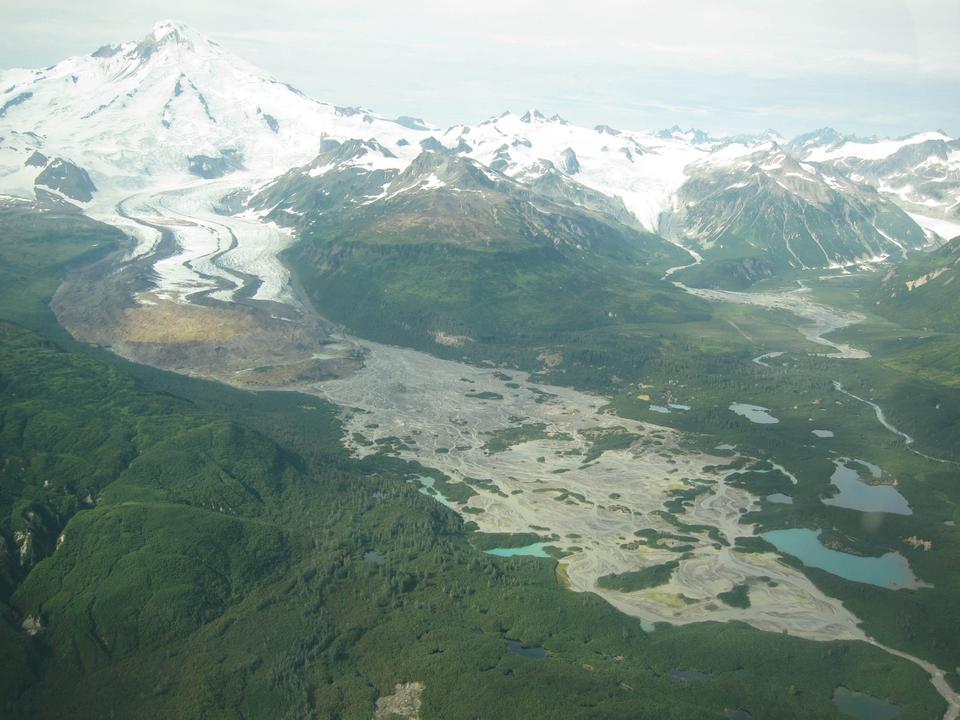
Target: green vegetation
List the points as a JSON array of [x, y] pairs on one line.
[[709, 530], [36, 251], [655, 538], [485, 395], [919, 292], [753, 544], [603, 439], [738, 597], [189, 550], [649, 577], [563, 495], [502, 305], [492, 290], [502, 440], [758, 227], [493, 271], [922, 400], [731, 274], [681, 499]]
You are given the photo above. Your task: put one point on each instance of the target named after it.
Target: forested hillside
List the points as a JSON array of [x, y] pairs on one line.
[[179, 549]]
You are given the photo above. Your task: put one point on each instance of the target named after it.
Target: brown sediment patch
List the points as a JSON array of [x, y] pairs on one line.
[[163, 321], [550, 360], [404, 702], [919, 543], [442, 338], [293, 374]]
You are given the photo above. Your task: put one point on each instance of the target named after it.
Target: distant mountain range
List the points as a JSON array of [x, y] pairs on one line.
[[175, 109]]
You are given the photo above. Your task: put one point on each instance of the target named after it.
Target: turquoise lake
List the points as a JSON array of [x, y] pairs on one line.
[[534, 550], [890, 571]]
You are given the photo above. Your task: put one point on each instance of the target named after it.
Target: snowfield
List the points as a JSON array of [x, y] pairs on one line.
[[641, 169]]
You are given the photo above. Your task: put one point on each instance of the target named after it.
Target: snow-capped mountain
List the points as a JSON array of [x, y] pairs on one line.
[[757, 201], [919, 172], [643, 170], [173, 104], [355, 192], [175, 112]]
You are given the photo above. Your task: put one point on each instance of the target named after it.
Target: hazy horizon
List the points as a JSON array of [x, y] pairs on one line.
[[724, 67]]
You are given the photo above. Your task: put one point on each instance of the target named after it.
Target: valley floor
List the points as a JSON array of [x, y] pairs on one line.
[[616, 501]]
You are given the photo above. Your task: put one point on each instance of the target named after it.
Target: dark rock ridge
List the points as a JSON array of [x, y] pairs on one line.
[[68, 179]]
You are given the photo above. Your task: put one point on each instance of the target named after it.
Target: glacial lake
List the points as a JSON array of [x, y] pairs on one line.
[[754, 413], [427, 488], [534, 550], [857, 495], [889, 571]]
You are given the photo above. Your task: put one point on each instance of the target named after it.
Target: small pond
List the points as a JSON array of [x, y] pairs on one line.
[[857, 495], [534, 550], [427, 488], [780, 498], [533, 653], [754, 413]]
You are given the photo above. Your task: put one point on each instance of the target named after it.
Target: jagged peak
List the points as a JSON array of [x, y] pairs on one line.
[[535, 116], [173, 34], [606, 130], [454, 169], [694, 135], [178, 32]]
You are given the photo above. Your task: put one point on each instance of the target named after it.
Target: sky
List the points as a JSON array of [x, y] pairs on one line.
[[868, 67]]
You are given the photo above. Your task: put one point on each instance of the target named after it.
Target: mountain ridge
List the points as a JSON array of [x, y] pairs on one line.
[[175, 107]]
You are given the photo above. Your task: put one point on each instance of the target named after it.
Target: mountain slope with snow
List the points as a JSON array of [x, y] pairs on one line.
[[164, 117], [173, 105], [451, 255], [922, 292], [643, 170], [920, 172], [757, 202], [174, 123]]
